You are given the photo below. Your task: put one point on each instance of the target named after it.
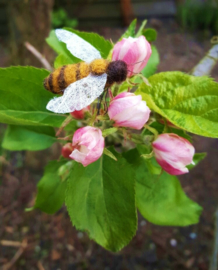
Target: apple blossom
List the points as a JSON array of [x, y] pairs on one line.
[[173, 153], [135, 52], [129, 110], [88, 145]]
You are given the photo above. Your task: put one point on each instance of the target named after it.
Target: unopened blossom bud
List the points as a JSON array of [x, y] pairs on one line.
[[135, 52], [80, 114], [173, 153], [129, 110], [67, 150], [88, 145]]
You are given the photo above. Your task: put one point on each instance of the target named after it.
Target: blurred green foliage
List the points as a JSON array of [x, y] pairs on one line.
[[199, 15], [60, 19]]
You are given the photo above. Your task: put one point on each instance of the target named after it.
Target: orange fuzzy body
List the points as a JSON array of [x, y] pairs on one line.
[[58, 80]]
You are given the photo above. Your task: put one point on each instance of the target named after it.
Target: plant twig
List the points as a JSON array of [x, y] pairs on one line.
[[9, 243], [67, 138], [16, 256], [40, 266], [213, 261], [38, 55]]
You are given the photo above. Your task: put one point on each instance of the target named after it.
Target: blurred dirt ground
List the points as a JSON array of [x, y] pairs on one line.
[[34, 240]]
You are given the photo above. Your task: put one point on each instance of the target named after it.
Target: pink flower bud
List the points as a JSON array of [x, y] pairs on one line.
[[134, 51], [173, 153], [128, 110], [67, 150], [88, 145], [80, 114]]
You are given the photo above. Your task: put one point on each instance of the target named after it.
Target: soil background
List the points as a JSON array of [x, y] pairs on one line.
[[54, 244]]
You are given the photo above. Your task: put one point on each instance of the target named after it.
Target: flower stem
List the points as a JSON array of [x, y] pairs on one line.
[[153, 130], [64, 124], [116, 89]]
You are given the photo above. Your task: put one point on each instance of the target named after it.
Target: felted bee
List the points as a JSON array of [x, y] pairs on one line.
[[81, 83]]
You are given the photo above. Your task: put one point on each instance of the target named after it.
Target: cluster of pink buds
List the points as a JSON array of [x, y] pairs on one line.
[[172, 152]]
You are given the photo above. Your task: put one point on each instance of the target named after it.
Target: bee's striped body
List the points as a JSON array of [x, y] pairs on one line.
[[58, 80]]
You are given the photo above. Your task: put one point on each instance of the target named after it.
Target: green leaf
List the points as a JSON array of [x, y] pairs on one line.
[[188, 102], [23, 98], [130, 32], [150, 34], [152, 64], [197, 158], [19, 138], [50, 189], [61, 60], [160, 198], [31, 118], [141, 29], [59, 18], [22, 89], [102, 45], [100, 199]]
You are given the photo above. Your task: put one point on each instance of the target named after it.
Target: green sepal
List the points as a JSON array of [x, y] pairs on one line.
[[109, 154], [141, 29], [130, 32], [109, 131], [196, 159]]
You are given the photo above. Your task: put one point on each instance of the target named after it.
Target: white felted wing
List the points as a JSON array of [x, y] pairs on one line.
[[78, 46], [78, 95]]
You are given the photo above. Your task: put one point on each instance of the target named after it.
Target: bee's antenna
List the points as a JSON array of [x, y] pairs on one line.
[[136, 63], [132, 71]]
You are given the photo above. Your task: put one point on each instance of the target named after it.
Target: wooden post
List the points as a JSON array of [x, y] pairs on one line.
[[29, 21], [127, 11]]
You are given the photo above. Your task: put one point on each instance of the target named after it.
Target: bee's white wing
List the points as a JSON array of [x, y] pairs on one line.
[[78, 46], [78, 95]]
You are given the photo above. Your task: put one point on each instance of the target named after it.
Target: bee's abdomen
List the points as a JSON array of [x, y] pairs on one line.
[[99, 66], [57, 81]]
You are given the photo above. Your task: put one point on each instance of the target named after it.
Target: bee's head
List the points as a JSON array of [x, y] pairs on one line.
[[116, 72]]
